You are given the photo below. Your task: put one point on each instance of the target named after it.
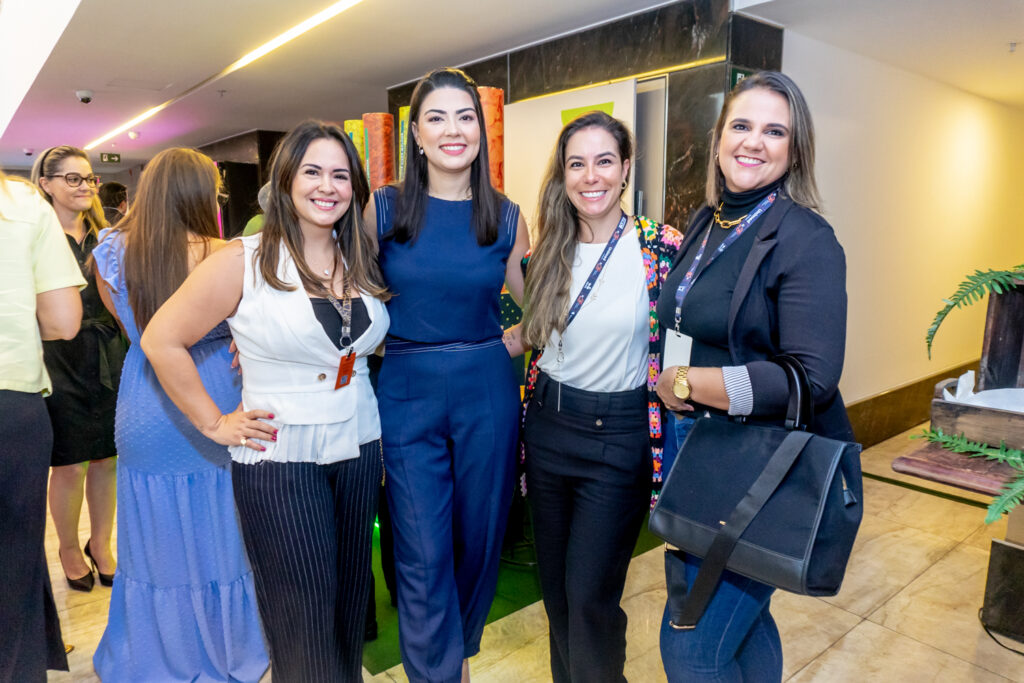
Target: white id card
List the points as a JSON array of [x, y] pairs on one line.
[[677, 349]]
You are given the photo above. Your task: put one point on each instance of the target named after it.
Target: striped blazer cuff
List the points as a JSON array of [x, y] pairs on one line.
[[739, 390]]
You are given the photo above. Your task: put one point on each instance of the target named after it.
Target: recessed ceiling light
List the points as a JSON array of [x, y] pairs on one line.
[[291, 34]]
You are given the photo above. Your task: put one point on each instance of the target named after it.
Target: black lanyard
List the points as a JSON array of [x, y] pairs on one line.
[[588, 286], [692, 272]]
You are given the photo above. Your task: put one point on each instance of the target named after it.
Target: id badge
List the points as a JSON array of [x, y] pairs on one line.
[[677, 349], [345, 370]]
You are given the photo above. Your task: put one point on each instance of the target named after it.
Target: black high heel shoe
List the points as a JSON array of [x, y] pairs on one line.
[[82, 583], [105, 579]]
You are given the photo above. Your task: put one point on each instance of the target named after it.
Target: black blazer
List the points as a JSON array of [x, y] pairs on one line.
[[790, 298]]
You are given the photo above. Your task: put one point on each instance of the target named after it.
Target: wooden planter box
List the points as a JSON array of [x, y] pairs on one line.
[[988, 425], [1002, 366]]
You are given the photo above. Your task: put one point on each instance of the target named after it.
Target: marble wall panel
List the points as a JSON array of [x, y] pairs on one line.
[[694, 99], [664, 37], [754, 45]]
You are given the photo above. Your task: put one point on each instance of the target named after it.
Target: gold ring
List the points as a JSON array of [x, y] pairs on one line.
[[243, 441]]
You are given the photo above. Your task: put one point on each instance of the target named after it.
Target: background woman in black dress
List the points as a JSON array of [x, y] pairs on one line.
[[85, 372]]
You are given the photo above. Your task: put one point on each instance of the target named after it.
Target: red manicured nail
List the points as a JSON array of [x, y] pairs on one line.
[[270, 417], [274, 437]]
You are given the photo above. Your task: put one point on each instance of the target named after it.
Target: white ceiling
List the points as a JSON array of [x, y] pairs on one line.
[[964, 43], [135, 55]]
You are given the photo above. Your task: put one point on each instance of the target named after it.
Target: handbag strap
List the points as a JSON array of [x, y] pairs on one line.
[[725, 540], [800, 410]]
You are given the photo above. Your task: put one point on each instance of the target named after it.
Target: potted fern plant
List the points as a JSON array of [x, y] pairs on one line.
[[970, 291]]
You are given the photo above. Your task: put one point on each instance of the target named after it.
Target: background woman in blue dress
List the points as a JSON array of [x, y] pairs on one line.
[[448, 395], [183, 606]]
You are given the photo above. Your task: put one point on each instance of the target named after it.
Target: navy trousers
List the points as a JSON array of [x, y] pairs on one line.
[[588, 480], [30, 641], [308, 530], [449, 418]]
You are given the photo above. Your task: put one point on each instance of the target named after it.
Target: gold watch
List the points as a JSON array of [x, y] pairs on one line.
[[681, 387]]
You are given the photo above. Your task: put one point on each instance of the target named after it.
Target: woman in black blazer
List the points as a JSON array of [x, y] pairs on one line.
[[760, 273]]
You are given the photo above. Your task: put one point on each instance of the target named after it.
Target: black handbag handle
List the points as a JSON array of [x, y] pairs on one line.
[[800, 411]]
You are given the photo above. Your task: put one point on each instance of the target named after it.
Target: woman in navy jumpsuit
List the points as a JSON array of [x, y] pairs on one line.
[[449, 399]]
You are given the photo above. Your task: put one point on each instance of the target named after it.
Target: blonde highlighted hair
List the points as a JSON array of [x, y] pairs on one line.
[[800, 184], [48, 164]]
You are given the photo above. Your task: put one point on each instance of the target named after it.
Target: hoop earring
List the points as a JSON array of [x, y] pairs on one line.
[[623, 184]]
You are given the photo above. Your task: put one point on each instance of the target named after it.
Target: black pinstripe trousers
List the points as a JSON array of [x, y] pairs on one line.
[[308, 530]]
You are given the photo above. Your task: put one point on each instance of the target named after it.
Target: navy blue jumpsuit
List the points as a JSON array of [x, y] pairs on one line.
[[449, 405]]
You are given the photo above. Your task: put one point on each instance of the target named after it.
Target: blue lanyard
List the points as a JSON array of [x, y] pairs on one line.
[[691, 274], [594, 274]]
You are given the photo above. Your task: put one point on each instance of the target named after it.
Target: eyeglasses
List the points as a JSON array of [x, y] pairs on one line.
[[75, 179], [222, 198]]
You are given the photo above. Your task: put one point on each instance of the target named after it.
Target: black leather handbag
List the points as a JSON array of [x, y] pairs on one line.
[[776, 504]]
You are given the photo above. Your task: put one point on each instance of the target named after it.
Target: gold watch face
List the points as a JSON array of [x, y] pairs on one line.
[[681, 387]]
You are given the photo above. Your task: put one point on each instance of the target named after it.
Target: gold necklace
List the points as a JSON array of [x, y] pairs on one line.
[[727, 224]]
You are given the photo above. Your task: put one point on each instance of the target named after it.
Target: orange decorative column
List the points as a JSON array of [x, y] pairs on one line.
[[379, 129], [493, 102]]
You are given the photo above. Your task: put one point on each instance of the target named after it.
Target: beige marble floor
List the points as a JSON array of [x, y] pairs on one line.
[[907, 610]]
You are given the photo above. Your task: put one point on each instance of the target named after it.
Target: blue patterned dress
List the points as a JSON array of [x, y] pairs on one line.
[[182, 606]]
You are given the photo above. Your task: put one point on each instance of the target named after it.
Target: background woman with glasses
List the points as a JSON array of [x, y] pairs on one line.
[[85, 373]]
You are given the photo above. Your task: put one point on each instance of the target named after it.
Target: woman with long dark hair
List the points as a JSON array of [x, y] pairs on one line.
[[85, 372], [303, 299], [183, 573], [760, 273], [449, 401], [592, 428]]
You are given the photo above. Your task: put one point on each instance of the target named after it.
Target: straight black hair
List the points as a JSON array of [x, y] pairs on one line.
[[411, 203]]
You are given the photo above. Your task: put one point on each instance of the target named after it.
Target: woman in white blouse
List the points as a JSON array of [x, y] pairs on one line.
[[592, 428], [303, 299]]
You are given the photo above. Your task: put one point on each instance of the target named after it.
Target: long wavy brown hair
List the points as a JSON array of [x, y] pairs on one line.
[[48, 164], [549, 274], [281, 225], [176, 204]]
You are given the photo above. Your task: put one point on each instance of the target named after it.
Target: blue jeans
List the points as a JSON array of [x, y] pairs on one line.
[[736, 640]]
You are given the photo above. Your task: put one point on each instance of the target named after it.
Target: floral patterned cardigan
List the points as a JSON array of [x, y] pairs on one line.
[[658, 245]]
